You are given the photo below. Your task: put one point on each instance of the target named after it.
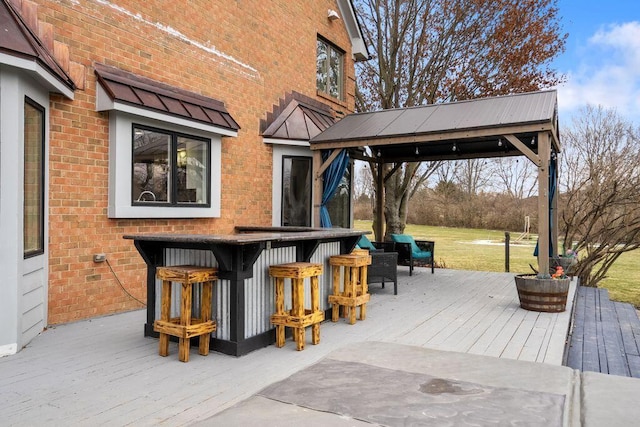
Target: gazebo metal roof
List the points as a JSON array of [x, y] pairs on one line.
[[476, 127]]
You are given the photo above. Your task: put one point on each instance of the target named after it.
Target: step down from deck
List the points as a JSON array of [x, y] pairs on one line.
[[605, 335]]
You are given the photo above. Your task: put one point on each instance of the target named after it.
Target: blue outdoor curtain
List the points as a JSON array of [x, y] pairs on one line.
[[332, 177], [553, 173]]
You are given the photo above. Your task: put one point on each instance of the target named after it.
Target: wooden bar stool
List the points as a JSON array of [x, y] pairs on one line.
[[298, 317], [185, 326], [354, 291]]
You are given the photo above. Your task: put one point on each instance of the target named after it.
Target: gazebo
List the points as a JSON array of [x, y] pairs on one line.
[[511, 125]]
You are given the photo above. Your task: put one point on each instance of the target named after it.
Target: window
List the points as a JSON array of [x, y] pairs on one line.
[[169, 169], [339, 205], [296, 191], [329, 69], [158, 169], [33, 212]]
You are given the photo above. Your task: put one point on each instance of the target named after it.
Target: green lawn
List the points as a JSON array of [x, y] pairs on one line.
[[459, 248]]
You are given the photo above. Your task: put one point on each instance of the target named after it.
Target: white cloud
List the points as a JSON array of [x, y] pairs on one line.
[[607, 73]]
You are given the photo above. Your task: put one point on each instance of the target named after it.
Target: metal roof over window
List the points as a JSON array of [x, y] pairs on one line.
[[297, 117], [128, 88], [22, 45]]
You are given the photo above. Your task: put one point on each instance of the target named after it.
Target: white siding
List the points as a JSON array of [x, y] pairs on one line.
[[23, 285]]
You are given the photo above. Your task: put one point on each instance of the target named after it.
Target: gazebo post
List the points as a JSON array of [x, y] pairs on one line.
[[317, 186], [544, 154], [555, 216], [379, 231]]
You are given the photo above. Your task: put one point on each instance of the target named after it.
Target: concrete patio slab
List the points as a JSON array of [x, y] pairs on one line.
[[396, 385], [609, 400]]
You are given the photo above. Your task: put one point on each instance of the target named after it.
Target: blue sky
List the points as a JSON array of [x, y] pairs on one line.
[[602, 57]]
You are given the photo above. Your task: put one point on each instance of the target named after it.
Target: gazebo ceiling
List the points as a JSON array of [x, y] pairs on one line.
[[458, 130]]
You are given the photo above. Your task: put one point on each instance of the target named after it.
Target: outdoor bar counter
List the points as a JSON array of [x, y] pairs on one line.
[[244, 293]]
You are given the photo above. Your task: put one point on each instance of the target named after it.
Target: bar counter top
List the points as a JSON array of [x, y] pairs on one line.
[[251, 234]]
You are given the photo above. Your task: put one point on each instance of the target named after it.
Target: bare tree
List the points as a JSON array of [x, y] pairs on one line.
[[363, 183], [515, 176], [601, 185], [427, 51], [471, 175], [399, 186]]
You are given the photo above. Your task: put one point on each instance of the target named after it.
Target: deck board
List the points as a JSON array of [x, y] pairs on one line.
[[604, 335], [575, 349], [104, 371], [616, 362]]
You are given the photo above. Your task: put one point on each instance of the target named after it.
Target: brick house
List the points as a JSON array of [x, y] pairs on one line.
[[121, 117]]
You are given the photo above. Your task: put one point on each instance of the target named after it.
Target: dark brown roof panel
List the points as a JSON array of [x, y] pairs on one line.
[[125, 93], [126, 87], [149, 99], [196, 112], [221, 118], [174, 106]]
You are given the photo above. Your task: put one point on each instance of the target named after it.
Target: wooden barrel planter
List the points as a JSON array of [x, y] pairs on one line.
[[548, 295]]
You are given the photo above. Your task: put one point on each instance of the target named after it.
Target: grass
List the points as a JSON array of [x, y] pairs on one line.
[[458, 248]]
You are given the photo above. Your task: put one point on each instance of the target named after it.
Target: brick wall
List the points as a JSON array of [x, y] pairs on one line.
[[246, 53]]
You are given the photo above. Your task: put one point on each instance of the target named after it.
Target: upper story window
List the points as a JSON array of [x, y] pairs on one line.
[[329, 69], [169, 169]]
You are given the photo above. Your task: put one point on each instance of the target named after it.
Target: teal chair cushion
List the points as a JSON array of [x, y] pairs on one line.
[[365, 243], [415, 250]]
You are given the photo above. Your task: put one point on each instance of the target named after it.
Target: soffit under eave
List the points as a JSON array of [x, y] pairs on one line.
[[349, 16]]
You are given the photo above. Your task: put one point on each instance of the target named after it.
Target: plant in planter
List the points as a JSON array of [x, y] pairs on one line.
[[543, 292], [567, 260]]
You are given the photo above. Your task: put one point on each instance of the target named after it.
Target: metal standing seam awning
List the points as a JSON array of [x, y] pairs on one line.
[[511, 125]]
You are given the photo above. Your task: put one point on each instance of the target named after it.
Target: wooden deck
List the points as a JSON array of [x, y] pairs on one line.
[[103, 371], [605, 335]]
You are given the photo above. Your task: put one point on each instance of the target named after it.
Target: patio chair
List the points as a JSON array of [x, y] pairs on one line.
[[384, 262], [365, 243], [414, 252], [383, 268]]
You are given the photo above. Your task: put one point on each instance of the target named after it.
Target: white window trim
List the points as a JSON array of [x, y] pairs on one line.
[[120, 166], [341, 84], [291, 142]]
